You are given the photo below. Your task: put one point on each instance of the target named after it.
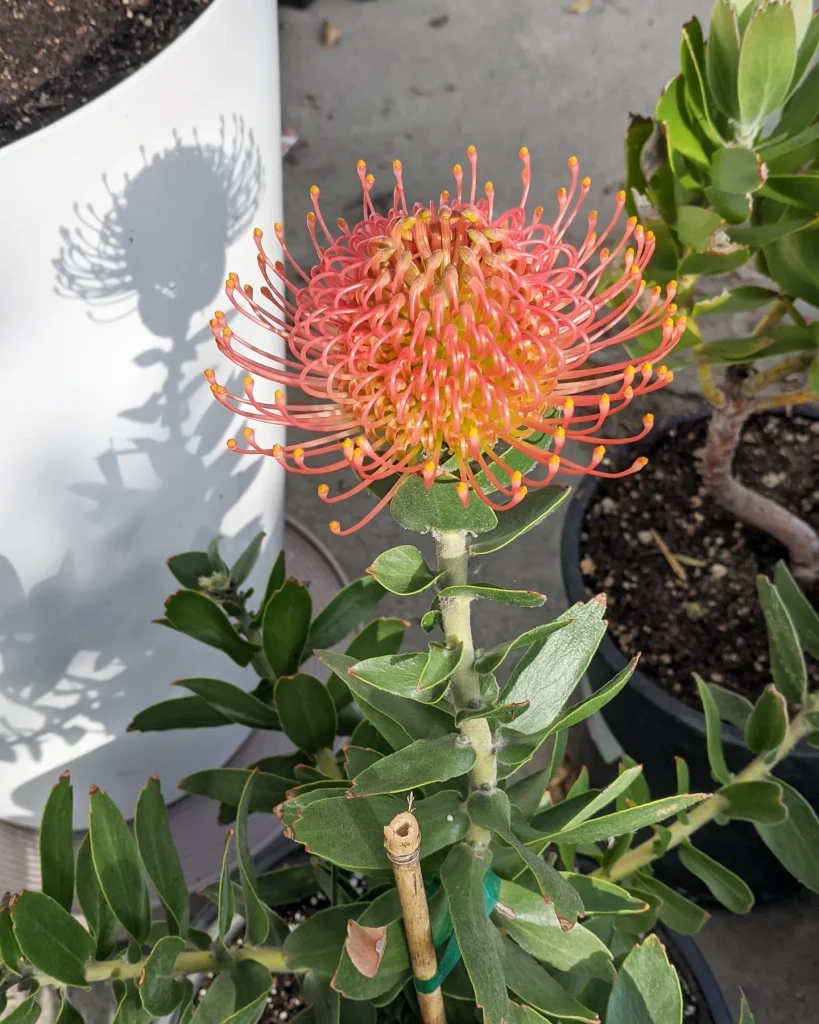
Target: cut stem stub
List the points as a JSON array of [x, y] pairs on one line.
[[402, 841]]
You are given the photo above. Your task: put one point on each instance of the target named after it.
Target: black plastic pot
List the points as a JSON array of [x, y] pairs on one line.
[[696, 977], [652, 726]]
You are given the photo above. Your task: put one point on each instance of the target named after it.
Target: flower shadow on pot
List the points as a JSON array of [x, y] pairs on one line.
[[73, 651]]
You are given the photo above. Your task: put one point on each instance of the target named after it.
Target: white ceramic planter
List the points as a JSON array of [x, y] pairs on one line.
[[119, 224]]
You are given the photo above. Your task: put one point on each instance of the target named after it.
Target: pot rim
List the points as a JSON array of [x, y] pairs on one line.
[[169, 52], [648, 687], [687, 950]]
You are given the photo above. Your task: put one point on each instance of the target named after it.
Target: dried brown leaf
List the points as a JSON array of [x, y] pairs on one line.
[[365, 947]]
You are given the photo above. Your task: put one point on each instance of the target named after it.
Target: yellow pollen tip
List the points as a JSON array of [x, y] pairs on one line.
[[523, 492], [361, 165], [370, 179], [335, 526], [672, 307], [569, 403], [672, 285], [471, 151], [298, 453], [621, 196], [605, 399], [461, 488], [560, 432], [628, 393], [538, 211], [277, 450], [323, 490], [517, 477], [586, 182], [600, 451], [248, 432], [231, 443], [647, 367], [279, 396], [632, 222], [649, 236], [554, 463], [457, 169], [248, 381], [648, 419], [682, 321], [396, 165], [635, 271], [572, 161], [668, 322], [429, 467], [489, 186], [314, 190], [227, 332], [257, 232], [642, 461], [311, 217], [278, 228], [523, 151], [561, 193], [662, 370]]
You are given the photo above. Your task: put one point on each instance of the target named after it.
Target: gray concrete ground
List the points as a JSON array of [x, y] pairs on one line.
[[420, 80]]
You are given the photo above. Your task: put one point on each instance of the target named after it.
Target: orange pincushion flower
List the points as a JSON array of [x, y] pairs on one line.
[[450, 330]]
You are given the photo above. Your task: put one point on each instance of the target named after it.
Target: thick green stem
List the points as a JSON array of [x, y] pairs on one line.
[[271, 957], [759, 768], [466, 691]]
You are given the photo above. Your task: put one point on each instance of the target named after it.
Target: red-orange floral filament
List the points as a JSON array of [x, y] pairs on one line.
[[446, 330]]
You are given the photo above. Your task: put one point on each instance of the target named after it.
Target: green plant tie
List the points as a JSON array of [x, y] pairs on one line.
[[452, 953]]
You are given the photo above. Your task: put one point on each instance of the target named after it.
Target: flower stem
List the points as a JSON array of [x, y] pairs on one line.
[[453, 558], [760, 768], [193, 962]]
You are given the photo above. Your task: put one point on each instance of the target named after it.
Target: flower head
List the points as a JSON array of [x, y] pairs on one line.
[[451, 331]]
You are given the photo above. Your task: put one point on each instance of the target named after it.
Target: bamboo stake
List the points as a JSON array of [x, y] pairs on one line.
[[402, 841]]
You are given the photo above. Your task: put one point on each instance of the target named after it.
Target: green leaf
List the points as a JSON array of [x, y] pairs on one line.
[[28, 1012], [722, 57], [159, 990], [228, 784], [219, 1001], [317, 942], [518, 520], [532, 922], [251, 1013], [50, 938], [217, 563], [9, 950], [726, 887], [713, 733], [580, 712], [68, 1014], [344, 613], [804, 617], [306, 711], [160, 858], [647, 990], [794, 842], [768, 722], [602, 897], [516, 461], [792, 263], [620, 786], [118, 867], [96, 911], [527, 792], [225, 900], [232, 702], [695, 225], [420, 764], [178, 713], [257, 922], [402, 570], [275, 582], [462, 876], [501, 714], [745, 1015], [379, 638], [442, 660], [550, 670], [286, 885], [350, 833], [56, 844], [767, 59], [764, 234], [671, 113], [800, 190], [731, 706], [630, 820], [738, 300], [736, 170], [439, 508], [200, 617], [492, 592], [366, 735], [384, 911], [324, 1002], [676, 911], [708, 263], [493, 811], [787, 661], [286, 626], [189, 567], [533, 983], [757, 801], [246, 562], [493, 657], [356, 759], [692, 65]]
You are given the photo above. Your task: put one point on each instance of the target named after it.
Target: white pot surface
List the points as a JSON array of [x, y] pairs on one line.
[[119, 225]]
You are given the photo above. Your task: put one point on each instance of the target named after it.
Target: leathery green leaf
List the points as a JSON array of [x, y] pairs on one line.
[[306, 711], [676, 911], [50, 938], [159, 989], [402, 571], [804, 617], [257, 923], [726, 887], [647, 990], [462, 876], [318, 945], [759, 801], [767, 58], [713, 733], [202, 618], [98, 914], [118, 866], [227, 786], [178, 713], [768, 722], [439, 508], [493, 657], [530, 981], [787, 661], [630, 820], [344, 612], [420, 764], [492, 592], [527, 514], [56, 844], [286, 627], [794, 842], [159, 856], [233, 702]]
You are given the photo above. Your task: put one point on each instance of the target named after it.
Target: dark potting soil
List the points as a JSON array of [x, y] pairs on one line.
[[711, 623], [56, 55]]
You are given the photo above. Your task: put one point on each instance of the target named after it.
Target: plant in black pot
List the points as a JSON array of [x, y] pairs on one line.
[[729, 493]]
